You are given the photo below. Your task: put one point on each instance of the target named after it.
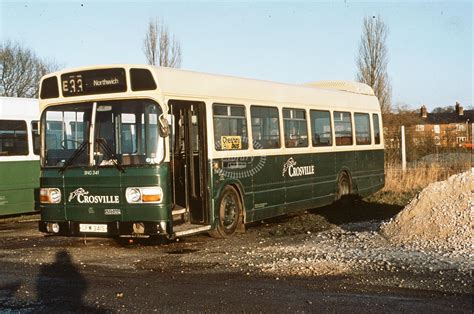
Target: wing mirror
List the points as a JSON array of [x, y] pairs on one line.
[[164, 126]]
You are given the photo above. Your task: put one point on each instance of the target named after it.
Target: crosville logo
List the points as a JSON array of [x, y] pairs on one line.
[[289, 163], [84, 197], [293, 171], [78, 192]]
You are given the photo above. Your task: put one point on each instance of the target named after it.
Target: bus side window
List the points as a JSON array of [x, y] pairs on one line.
[[376, 128], [321, 128], [35, 136], [13, 138], [230, 127], [343, 128], [296, 127], [362, 128], [265, 127]]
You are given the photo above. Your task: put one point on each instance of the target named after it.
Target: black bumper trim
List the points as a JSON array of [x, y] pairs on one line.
[[115, 228]]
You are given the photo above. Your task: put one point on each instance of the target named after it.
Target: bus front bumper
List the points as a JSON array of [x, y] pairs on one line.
[[104, 229]]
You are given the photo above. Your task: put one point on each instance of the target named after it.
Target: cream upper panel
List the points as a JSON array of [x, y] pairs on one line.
[[210, 88], [19, 108], [179, 83]]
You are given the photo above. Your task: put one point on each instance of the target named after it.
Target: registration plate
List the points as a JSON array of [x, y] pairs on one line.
[[92, 228]]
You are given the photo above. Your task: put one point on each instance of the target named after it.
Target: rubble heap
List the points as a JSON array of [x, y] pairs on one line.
[[440, 217]]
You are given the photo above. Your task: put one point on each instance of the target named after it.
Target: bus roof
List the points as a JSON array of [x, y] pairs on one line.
[[197, 85], [19, 108]]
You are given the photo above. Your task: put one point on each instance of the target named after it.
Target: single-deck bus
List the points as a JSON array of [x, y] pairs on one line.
[[19, 155], [140, 150]]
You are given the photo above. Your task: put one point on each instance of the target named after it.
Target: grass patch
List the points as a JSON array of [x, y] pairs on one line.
[[401, 186], [399, 198]]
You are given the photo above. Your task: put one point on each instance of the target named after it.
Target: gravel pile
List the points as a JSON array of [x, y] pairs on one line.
[[440, 217], [356, 250]]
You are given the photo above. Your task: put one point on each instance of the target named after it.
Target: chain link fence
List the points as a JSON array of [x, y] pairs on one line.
[[429, 158]]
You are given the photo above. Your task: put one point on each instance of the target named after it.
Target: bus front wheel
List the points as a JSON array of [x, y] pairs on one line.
[[230, 211]]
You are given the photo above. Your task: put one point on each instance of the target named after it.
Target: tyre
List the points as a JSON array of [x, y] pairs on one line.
[[230, 212], [344, 186]]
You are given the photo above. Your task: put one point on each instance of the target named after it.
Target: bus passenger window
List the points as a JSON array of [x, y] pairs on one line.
[[362, 128], [296, 128], [376, 128], [321, 128], [13, 138], [230, 127], [35, 136], [343, 128], [265, 127]]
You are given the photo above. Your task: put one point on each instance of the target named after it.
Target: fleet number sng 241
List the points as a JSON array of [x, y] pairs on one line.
[[91, 172]]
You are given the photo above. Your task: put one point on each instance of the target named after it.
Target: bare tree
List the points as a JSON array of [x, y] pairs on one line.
[[21, 71], [372, 60], [160, 47]]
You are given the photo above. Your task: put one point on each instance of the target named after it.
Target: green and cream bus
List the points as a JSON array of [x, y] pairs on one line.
[[144, 150], [19, 155]]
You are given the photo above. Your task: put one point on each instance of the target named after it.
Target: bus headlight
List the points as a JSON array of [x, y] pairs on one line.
[[144, 194], [50, 195], [133, 195]]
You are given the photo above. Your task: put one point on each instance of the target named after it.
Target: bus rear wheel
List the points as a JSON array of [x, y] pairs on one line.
[[230, 211], [344, 186]]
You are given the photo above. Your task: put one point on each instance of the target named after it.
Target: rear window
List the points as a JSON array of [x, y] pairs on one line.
[[376, 128]]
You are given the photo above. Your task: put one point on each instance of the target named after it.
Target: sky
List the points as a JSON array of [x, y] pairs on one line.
[[430, 44]]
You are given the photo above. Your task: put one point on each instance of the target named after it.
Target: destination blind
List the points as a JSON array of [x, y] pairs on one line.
[[92, 82]]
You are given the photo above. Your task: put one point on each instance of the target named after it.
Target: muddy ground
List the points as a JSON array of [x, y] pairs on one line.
[[330, 259]]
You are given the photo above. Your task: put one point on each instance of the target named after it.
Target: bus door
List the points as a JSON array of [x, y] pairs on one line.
[[188, 161]]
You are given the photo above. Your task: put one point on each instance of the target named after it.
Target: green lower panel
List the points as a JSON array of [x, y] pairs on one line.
[[287, 183], [52, 212], [98, 195], [146, 213], [18, 181]]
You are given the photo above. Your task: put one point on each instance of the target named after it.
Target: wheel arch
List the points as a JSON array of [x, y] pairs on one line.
[[235, 184], [352, 186]]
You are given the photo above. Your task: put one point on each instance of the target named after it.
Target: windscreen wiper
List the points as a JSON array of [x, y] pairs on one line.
[[115, 159], [76, 153]]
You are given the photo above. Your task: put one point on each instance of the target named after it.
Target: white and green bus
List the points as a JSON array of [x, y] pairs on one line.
[[146, 150], [19, 155]]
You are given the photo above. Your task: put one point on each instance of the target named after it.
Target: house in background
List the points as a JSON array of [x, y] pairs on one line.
[[447, 128]]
